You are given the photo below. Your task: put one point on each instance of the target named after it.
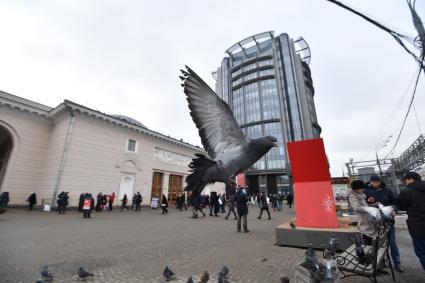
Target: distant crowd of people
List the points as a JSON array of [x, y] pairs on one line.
[[214, 203]]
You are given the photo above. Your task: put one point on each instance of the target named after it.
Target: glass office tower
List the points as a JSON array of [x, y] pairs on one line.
[[267, 83]]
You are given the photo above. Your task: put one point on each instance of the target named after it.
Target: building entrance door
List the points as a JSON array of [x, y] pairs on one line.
[[6, 145], [157, 184], [126, 187], [174, 188]]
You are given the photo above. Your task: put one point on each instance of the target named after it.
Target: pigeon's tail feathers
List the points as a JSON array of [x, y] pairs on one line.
[[195, 181]]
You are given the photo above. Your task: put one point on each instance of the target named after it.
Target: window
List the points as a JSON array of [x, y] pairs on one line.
[[252, 102], [270, 99], [131, 145], [276, 156]]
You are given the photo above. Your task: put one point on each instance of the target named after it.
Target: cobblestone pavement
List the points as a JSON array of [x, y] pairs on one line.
[[136, 246]]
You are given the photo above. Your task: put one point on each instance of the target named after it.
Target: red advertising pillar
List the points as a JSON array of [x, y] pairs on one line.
[[314, 201]]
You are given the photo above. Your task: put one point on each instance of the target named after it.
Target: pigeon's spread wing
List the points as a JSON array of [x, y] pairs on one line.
[[217, 126]]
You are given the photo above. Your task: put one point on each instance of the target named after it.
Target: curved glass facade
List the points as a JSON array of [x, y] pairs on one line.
[[270, 92]]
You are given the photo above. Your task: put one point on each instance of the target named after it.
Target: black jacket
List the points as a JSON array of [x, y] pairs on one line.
[[412, 199], [241, 202]]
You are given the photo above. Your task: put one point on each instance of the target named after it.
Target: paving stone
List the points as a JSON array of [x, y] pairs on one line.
[[136, 247]]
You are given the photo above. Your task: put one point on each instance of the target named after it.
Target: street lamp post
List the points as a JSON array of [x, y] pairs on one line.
[[378, 147]]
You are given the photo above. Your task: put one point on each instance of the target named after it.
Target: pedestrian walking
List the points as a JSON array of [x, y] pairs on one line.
[[412, 199], [32, 199], [124, 202], [111, 201], [279, 200], [164, 205], [231, 206], [273, 200], [264, 206], [214, 205], [289, 200], [197, 206], [181, 201], [88, 205], [242, 207]]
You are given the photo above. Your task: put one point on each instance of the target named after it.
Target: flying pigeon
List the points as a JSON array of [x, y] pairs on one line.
[[204, 277], [84, 274], [190, 280], [46, 274], [230, 152], [387, 211], [168, 274], [224, 271], [373, 213]]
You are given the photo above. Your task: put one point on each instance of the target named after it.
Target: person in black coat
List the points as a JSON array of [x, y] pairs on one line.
[[412, 199], [80, 202], [242, 208], [264, 206], [137, 200], [289, 200], [61, 201], [214, 205], [4, 199], [32, 199], [164, 205], [88, 205]]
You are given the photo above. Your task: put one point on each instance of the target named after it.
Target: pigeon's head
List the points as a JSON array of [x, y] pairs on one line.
[[268, 142]]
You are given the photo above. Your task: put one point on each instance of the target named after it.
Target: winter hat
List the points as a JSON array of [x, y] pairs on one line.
[[357, 184], [375, 178], [412, 175]]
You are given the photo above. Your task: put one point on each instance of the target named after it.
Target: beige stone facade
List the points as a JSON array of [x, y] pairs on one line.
[[77, 149]]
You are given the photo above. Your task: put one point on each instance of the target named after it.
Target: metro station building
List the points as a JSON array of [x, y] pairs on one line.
[[77, 149]]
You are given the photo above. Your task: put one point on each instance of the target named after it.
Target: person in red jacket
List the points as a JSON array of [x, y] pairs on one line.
[[88, 205], [111, 201]]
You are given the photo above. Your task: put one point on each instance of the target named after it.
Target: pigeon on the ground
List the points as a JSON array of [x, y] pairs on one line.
[[284, 279], [84, 274], [168, 274], [387, 211], [204, 277], [46, 274], [190, 280], [224, 271], [311, 262], [39, 281], [333, 245], [230, 152]]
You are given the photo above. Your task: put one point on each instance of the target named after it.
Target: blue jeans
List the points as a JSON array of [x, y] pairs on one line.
[[419, 246], [395, 254]]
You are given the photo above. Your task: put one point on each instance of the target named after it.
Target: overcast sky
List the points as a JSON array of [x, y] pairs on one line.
[[123, 57]]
